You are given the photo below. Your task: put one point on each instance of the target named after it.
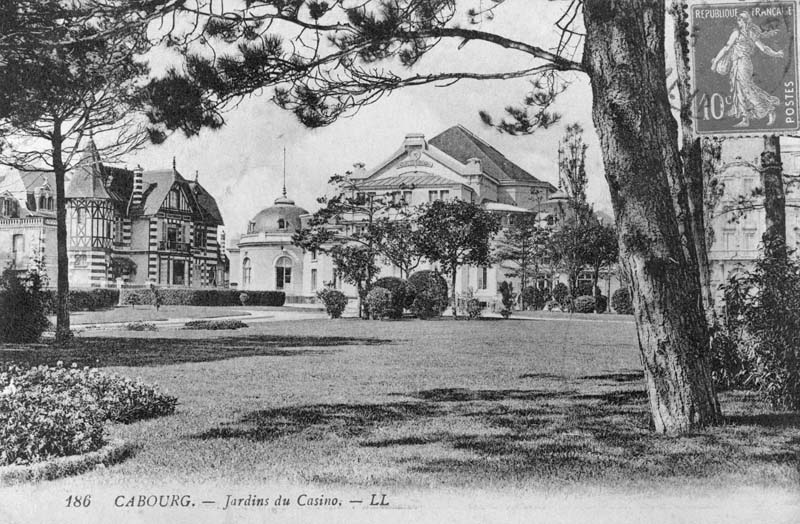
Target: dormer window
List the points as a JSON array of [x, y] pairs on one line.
[[251, 227], [281, 223]]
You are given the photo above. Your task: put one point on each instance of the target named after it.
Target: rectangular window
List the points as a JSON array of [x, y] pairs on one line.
[[730, 240], [483, 273], [313, 280], [432, 195], [444, 194], [313, 254], [407, 197], [18, 248], [749, 241]]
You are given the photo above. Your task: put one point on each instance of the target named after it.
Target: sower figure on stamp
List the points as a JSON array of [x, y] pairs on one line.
[[735, 59]]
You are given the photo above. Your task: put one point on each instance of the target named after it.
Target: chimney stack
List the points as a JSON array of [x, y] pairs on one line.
[[138, 183]]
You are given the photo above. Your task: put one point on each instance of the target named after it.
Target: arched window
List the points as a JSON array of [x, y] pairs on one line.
[[283, 273], [50, 203], [42, 202], [281, 223], [247, 271], [251, 227]]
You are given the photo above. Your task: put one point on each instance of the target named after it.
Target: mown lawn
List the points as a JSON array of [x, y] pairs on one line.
[[148, 313], [492, 403]]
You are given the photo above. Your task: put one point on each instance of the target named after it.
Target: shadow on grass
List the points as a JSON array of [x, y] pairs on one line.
[[588, 430], [317, 421], [472, 395], [146, 351]]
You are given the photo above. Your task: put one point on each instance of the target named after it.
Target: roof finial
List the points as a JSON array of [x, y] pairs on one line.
[[175, 169], [196, 175], [284, 171]]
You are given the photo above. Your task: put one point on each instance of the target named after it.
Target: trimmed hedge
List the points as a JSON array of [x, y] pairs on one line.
[[84, 299], [203, 297]]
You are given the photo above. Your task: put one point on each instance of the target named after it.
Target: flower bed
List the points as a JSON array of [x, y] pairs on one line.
[[214, 324], [48, 412]]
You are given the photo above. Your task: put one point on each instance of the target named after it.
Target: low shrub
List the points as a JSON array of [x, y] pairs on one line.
[[584, 304], [402, 294], [621, 301], [50, 412], [140, 326], [534, 298], [763, 320], [507, 293], [430, 294], [214, 324], [562, 295], [335, 301], [379, 303], [474, 308], [22, 307]]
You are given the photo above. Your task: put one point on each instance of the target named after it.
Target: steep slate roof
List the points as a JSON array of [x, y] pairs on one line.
[[462, 144], [155, 187], [207, 203], [33, 180]]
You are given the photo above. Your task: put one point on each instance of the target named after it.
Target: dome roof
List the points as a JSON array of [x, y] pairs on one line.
[[268, 220]]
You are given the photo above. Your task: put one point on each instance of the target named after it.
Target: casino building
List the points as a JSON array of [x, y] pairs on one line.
[[453, 164]]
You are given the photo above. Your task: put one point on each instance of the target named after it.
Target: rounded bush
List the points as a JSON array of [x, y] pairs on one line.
[[430, 293], [561, 294], [402, 294], [584, 304], [379, 302], [534, 298], [621, 301], [335, 301], [243, 298]]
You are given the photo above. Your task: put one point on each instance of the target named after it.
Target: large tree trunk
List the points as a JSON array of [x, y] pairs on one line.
[[624, 56], [774, 198], [62, 278]]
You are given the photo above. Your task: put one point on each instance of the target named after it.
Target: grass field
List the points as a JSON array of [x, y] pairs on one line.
[[147, 313], [517, 403]]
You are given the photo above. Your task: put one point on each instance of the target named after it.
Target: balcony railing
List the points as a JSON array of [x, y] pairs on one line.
[[167, 245]]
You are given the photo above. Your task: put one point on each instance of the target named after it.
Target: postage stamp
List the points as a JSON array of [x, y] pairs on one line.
[[744, 67]]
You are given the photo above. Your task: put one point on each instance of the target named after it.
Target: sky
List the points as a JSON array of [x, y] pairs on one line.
[[242, 164]]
